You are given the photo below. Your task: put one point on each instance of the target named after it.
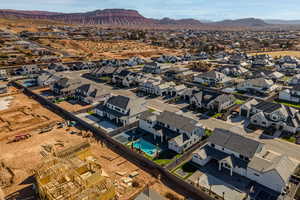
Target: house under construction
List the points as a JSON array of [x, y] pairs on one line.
[[73, 174]]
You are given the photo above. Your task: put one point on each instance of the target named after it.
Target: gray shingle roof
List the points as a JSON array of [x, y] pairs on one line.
[[119, 101], [235, 142], [177, 121]]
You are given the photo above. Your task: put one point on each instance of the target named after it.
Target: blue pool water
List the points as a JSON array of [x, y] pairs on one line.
[[29, 83], [145, 146]]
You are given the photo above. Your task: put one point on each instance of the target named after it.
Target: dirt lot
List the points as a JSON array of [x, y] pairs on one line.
[[24, 115], [280, 53], [107, 49], [19, 25], [18, 160]]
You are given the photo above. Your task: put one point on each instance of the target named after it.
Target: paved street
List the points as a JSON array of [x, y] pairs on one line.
[[276, 145], [154, 103]]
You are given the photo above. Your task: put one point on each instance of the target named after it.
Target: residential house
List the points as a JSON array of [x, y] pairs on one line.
[[149, 85], [234, 70], [65, 87], [210, 78], [30, 69], [47, 79], [288, 68], [3, 74], [3, 88], [295, 80], [272, 115], [262, 60], [259, 85], [155, 68], [275, 76], [149, 194], [92, 94], [289, 60], [236, 154], [212, 101], [178, 131], [164, 88], [291, 95], [122, 110], [127, 78]]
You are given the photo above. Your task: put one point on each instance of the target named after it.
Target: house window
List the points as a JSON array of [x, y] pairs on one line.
[[264, 123], [254, 121], [256, 174]]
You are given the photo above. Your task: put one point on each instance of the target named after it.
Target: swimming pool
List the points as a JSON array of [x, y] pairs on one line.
[[145, 146], [29, 83]]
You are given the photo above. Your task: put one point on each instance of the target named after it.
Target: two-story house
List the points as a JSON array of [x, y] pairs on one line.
[[154, 68], [127, 78], [65, 87], [121, 110], [236, 154], [259, 85], [91, 94], [178, 131], [272, 115], [212, 101], [210, 78], [290, 95]]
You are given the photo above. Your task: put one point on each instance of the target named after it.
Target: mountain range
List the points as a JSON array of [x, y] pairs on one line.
[[123, 17]]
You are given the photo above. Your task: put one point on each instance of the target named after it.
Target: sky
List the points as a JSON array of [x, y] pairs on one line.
[[177, 9]]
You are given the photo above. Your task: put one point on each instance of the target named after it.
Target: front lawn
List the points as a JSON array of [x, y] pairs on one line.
[[208, 132], [185, 170], [291, 139], [217, 115], [239, 102], [165, 157]]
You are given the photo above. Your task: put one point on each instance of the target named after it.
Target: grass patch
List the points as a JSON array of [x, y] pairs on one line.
[[151, 110], [208, 132], [91, 112], [217, 115], [185, 170], [239, 102], [165, 157], [291, 139], [59, 100], [288, 104]]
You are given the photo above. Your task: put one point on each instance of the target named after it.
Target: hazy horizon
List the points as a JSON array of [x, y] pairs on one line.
[[177, 9]]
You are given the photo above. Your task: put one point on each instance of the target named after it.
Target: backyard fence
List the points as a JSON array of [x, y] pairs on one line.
[[156, 170]]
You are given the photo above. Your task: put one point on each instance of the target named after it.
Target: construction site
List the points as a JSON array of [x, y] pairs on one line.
[[33, 134], [73, 173]]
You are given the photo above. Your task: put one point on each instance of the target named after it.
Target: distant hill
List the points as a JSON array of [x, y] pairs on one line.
[[247, 22], [283, 22], [123, 17]]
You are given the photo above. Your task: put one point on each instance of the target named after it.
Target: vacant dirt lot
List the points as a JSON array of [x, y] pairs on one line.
[[24, 115], [280, 53], [107, 49]]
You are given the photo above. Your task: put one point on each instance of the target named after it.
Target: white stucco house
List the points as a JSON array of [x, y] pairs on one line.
[[246, 157], [290, 95], [179, 132]]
